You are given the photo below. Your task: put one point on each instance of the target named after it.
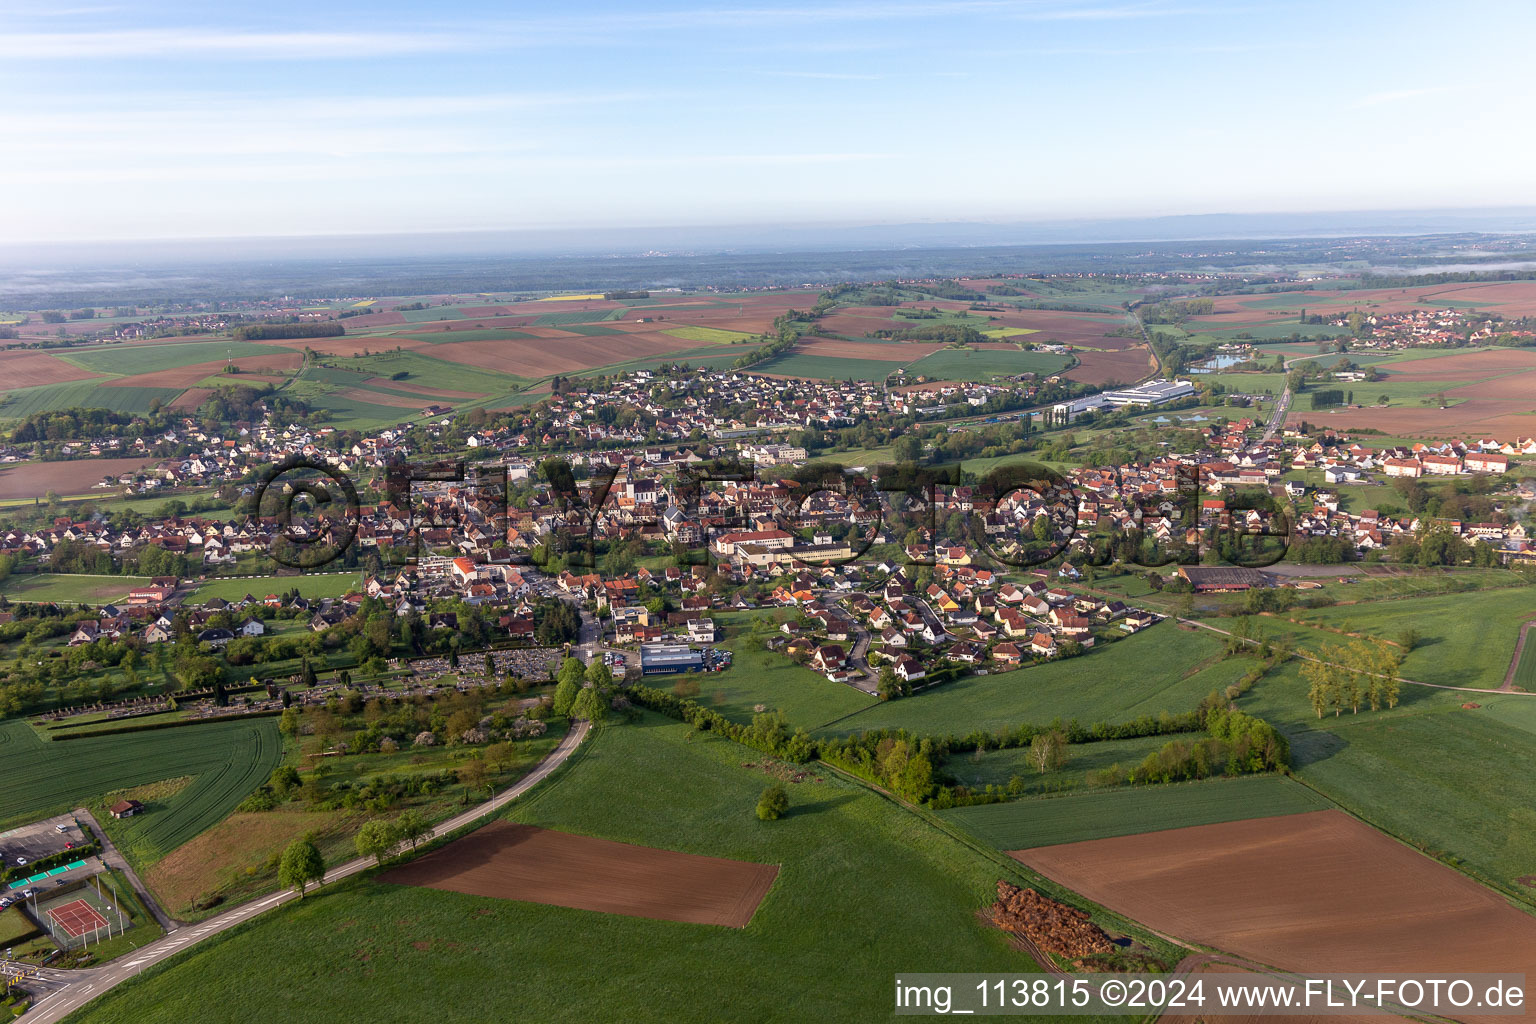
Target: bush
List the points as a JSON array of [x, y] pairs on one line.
[[772, 804]]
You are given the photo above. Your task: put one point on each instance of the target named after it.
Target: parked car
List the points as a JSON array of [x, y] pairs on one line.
[[21, 862], [61, 828]]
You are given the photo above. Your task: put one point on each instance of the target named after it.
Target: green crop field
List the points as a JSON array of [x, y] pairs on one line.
[[82, 394], [1525, 672], [758, 676], [444, 337], [1161, 669], [127, 360], [234, 588], [1050, 821], [228, 760], [591, 330], [855, 870], [983, 364], [708, 335], [578, 316], [426, 370], [796, 364], [65, 588]]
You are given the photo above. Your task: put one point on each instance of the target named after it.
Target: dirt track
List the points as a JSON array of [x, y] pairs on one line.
[[1314, 892], [521, 862]]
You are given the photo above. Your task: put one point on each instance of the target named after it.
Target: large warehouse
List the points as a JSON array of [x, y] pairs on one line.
[[665, 659]]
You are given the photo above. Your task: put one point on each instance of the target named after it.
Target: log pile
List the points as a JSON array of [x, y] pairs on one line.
[[1054, 927]]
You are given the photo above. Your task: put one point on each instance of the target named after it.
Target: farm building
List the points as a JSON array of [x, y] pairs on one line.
[[1214, 579], [125, 808]]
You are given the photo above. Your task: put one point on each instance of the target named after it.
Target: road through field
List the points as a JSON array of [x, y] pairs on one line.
[[80, 987]]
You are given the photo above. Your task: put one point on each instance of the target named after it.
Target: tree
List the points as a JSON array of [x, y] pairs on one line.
[[890, 686], [1048, 750], [565, 697], [375, 839], [411, 826], [591, 704], [302, 863], [772, 804]]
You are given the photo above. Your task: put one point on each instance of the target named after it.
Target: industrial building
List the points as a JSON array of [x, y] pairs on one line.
[[667, 659]]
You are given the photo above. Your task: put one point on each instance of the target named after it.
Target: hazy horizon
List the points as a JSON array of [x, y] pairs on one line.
[[175, 120]]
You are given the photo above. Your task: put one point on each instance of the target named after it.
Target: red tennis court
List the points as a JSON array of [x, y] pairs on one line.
[[77, 918]]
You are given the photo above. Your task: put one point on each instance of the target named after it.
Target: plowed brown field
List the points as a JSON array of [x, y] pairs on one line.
[[1126, 366], [35, 479], [20, 368], [1317, 892], [521, 862]]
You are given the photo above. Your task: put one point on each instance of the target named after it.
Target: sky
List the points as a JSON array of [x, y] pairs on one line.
[[207, 120]]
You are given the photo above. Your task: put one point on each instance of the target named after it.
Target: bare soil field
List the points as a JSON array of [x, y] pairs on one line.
[[20, 368], [1463, 366], [536, 357], [380, 398], [1480, 417], [190, 399], [35, 479], [521, 862], [422, 389], [1306, 892], [1126, 366]]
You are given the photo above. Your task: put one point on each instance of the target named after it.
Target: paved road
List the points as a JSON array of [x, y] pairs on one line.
[[85, 985], [1277, 417]]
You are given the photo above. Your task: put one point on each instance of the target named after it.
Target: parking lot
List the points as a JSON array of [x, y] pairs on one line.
[[28, 844]]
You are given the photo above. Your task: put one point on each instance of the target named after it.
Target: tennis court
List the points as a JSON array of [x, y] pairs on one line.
[[76, 919]]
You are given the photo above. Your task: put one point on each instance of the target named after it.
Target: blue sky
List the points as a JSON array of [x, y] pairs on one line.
[[209, 119]]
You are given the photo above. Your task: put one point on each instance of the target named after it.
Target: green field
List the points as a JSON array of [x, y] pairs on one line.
[[1451, 650], [796, 364], [708, 335], [1525, 672], [999, 767], [310, 586], [127, 360], [578, 316], [984, 364], [61, 587], [759, 676], [1049, 821], [228, 760], [444, 337], [855, 871], [82, 394], [426, 370], [1161, 669], [1447, 779]]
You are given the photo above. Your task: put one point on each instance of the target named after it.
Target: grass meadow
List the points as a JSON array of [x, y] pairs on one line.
[[1050, 821], [861, 881]]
